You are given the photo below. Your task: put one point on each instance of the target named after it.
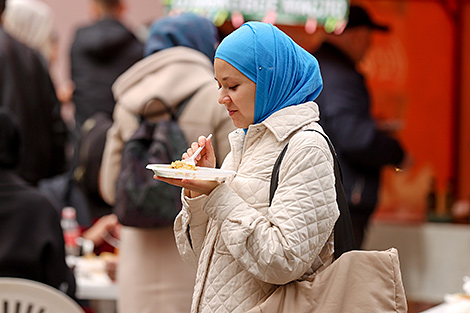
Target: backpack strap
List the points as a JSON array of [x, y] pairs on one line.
[[180, 107], [174, 112], [343, 231]]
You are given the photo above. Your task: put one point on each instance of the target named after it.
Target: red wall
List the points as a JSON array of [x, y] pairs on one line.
[[464, 131]]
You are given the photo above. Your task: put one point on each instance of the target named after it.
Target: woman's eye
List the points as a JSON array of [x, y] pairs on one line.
[[233, 87]]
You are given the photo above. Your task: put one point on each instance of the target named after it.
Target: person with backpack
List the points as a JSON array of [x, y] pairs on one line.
[[243, 245], [177, 67]]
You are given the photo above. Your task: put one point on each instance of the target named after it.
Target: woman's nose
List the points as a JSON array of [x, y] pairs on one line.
[[223, 98]]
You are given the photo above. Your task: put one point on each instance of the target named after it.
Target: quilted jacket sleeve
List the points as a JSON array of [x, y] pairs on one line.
[[281, 245], [190, 229]]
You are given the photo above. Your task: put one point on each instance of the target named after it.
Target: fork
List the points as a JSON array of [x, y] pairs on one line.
[[191, 159]]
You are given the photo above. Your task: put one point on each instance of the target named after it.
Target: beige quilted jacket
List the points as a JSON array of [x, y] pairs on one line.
[[171, 75], [242, 247]]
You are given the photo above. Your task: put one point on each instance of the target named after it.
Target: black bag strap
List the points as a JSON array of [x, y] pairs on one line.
[[343, 231]]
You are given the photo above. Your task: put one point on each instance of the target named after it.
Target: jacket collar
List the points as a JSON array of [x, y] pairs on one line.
[[281, 124], [288, 120]]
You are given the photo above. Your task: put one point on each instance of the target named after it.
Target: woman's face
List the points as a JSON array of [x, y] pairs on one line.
[[237, 93]]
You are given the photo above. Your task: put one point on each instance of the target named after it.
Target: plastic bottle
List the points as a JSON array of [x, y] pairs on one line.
[[71, 231]]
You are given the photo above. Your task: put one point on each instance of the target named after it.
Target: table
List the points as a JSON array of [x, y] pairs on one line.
[[434, 257], [441, 308], [94, 285], [101, 296], [96, 290]]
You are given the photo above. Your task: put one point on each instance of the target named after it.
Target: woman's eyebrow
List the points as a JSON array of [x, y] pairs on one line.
[[225, 78]]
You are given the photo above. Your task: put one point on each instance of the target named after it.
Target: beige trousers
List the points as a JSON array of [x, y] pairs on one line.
[[151, 276]]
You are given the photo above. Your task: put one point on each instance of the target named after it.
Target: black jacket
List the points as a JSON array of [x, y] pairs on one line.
[[27, 90], [100, 53], [31, 239], [362, 149]]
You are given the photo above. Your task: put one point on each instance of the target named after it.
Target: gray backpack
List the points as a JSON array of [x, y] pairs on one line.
[[142, 201]]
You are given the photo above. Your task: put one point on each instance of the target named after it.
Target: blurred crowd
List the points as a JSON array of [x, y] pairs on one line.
[[48, 163], [54, 161]]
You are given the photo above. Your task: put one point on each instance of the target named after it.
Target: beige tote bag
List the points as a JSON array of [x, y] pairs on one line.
[[357, 282]]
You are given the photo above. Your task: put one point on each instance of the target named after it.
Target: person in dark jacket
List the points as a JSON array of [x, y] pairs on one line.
[[100, 53], [27, 90], [32, 243], [363, 148]]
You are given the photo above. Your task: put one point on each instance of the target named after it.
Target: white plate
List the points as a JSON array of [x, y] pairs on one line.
[[202, 173]]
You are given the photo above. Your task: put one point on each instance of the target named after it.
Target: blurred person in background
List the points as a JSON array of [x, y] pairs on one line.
[[363, 147], [177, 63], [32, 23], [27, 90], [101, 52], [32, 244]]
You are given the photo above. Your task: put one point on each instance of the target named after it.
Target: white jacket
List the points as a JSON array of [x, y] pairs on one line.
[[243, 247]]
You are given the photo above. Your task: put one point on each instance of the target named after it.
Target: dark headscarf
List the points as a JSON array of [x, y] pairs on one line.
[[188, 30]]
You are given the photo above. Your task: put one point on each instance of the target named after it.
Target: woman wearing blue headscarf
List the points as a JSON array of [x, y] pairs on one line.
[[243, 245], [177, 64]]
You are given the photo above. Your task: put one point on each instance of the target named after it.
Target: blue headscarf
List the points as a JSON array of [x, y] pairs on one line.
[[285, 74], [188, 30]]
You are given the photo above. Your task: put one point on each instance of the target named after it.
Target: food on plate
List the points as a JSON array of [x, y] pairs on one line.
[[182, 165]]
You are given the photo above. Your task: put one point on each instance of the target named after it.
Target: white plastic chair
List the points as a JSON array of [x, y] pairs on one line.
[[19, 295]]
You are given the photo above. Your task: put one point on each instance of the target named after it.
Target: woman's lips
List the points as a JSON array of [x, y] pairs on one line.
[[231, 112]]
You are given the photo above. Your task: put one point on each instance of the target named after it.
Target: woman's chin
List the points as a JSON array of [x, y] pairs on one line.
[[240, 124]]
